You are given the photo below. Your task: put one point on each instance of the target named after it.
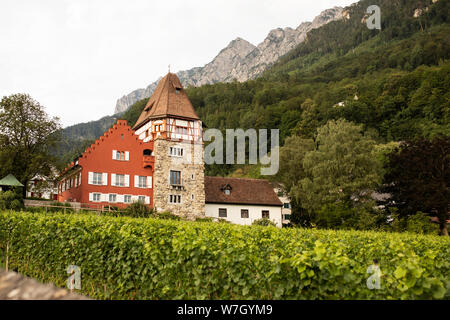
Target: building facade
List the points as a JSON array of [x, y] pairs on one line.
[[160, 162], [171, 123], [116, 170], [242, 201], [287, 209]]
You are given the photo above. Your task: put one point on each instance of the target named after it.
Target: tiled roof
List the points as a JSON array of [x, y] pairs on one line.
[[169, 99], [243, 191]]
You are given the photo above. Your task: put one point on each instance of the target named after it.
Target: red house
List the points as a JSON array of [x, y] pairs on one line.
[[116, 170]]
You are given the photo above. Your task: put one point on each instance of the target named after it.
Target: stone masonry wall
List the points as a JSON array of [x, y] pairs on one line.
[[191, 166], [14, 286]]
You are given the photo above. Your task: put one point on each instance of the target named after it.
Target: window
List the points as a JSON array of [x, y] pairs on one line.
[[177, 90], [158, 128], [147, 152], [97, 178], [265, 214], [142, 182], [286, 205], [120, 180], [244, 213], [127, 199], [287, 217], [120, 155], [112, 198], [222, 213], [141, 199], [97, 197], [175, 177], [174, 198], [176, 152], [182, 130]]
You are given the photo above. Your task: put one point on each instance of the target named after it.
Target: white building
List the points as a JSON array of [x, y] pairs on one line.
[[42, 187], [241, 201], [286, 211]]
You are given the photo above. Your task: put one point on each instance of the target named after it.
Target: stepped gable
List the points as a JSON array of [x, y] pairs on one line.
[[102, 138], [243, 191], [168, 100]]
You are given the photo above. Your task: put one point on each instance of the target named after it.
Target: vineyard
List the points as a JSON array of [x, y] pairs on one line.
[[128, 258]]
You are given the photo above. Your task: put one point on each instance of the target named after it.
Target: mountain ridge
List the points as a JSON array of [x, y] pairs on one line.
[[240, 59]]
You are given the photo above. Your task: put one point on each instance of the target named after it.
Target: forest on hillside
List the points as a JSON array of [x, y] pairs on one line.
[[395, 82]]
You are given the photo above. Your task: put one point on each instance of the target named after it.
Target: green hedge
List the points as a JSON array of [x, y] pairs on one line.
[[126, 258]]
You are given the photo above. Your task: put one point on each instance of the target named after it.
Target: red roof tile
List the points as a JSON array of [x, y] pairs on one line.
[[243, 191], [169, 99]]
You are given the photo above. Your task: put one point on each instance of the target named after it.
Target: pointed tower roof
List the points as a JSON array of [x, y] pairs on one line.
[[169, 99]]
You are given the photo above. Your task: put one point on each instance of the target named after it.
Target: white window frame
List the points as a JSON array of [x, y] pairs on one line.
[[95, 181], [116, 180], [99, 197], [125, 198], [142, 182], [176, 152], [115, 198]]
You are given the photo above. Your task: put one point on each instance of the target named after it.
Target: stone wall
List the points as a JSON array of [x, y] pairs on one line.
[[192, 190], [14, 286]]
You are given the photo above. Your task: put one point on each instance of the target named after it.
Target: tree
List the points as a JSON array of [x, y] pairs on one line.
[[27, 135], [342, 168], [291, 161], [291, 172], [417, 178]]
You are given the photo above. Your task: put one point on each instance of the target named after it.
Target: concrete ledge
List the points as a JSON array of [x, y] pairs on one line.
[[14, 286]]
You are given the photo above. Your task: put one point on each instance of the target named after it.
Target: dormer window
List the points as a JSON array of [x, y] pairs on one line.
[[226, 189]]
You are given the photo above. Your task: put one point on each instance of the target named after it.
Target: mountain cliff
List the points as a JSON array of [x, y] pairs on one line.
[[240, 60]]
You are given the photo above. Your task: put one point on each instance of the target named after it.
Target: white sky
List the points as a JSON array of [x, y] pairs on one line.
[[77, 57]]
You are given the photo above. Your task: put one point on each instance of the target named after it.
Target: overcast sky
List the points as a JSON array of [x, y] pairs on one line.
[[77, 57]]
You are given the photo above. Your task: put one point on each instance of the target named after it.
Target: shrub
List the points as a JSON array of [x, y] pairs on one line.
[[138, 210], [11, 199], [264, 222], [125, 258], [204, 219], [420, 223], [167, 216]]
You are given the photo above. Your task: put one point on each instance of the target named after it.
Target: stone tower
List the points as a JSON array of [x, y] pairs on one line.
[[170, 121]]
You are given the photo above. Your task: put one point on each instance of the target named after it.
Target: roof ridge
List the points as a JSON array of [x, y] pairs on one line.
[[217, 177]]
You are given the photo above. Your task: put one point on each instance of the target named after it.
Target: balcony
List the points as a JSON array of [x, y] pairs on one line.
[[148, 162]]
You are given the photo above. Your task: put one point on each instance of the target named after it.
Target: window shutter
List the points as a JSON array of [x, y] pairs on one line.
[[127, 156], [149, 182], [105, 179], [136, 181], [147, 200], [127, 180], [91, 178], [113, 179], [114, 154], [91, 196]]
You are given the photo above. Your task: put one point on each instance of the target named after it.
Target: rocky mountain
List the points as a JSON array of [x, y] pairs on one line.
[[240, 60]]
